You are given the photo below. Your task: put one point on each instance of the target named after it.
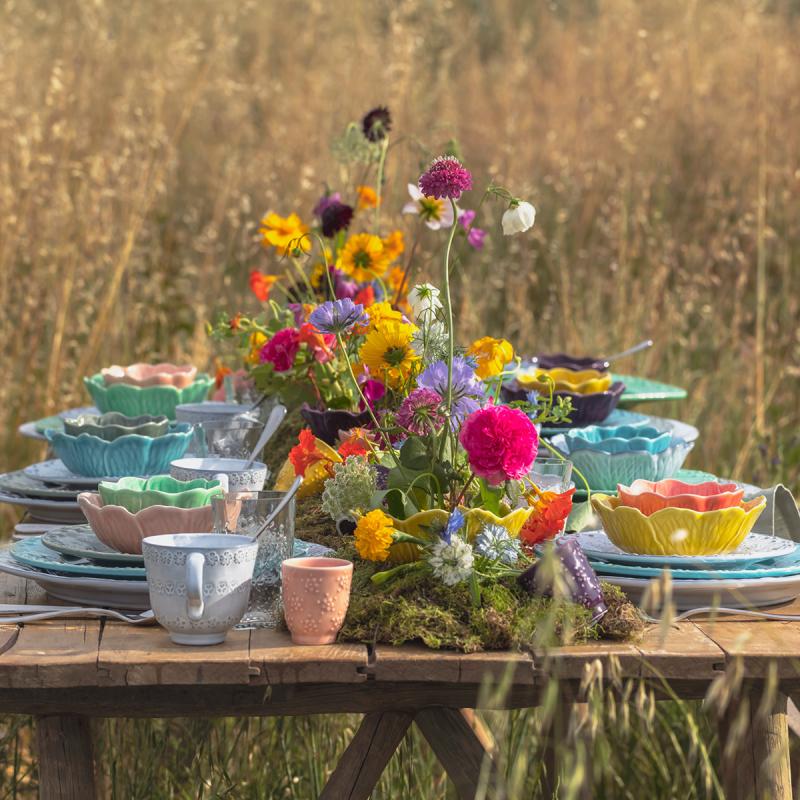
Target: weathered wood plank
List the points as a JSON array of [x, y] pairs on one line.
[[418, 663], [571, 663], [462, 752], [367, 755], [131, 656], [754, 744], [275, 660], [66, 758], [52, 654], [758, 644], [679, 651]]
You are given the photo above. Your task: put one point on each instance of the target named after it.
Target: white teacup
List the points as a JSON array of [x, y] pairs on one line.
[[241, 478], [199, 583]]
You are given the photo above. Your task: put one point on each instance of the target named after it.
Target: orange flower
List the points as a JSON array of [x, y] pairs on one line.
[[491, 356], [257, 341], [320, 344], [222, 371], [367, 197], [352, 448], [550, 512], [261, 283], [234, 323], [305, 452], [365, 296], [394, 244]]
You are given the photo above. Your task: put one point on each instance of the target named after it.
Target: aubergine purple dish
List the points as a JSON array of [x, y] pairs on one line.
[[566, 361], [325, 425], [587, 409]]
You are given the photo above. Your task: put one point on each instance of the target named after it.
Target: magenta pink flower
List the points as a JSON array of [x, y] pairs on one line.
[[281, 349], [501, 443], [445, 177], [420, 413]]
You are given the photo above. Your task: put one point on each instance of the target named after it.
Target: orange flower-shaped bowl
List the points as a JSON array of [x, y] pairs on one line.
[[164, 374], [652, 496]]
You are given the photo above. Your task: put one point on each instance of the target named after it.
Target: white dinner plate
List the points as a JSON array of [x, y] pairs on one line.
[[686, 595], [756, 547], [54, 471], [96, 592]]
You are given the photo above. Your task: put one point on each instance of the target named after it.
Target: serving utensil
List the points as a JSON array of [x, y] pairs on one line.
[[38, 613], [292, 491], [630, 351], [273, 422]]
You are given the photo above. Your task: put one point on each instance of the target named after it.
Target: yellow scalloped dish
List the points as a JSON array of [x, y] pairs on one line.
[[677, 531], [585, 381]]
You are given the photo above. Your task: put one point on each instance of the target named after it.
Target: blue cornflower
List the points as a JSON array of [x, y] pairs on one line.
[[337, 316], [468, 389], [455, 522]]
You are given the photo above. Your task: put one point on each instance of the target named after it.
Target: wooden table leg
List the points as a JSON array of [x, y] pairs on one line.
[[463, 748], [367, 755], [66, 758], [754, 748]]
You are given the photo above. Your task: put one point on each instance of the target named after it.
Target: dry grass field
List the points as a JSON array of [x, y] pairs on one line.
[[140, 142]]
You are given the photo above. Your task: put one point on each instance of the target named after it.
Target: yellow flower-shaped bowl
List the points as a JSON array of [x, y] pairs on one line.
[[585, 381], [427, 524], [677, 531]]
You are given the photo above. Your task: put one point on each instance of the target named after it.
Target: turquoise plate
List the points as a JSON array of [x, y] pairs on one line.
[[33, 553], [775, 568], [643, 390], [622, 417]]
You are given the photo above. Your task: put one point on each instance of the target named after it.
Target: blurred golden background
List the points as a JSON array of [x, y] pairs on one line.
[[660, 142]]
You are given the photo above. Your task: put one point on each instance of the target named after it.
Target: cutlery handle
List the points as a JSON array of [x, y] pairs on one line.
[[630, 351]]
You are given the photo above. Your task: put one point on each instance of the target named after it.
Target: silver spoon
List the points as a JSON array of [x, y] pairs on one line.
[[630, 351], [273, 423], [145, 618], [283, 503]]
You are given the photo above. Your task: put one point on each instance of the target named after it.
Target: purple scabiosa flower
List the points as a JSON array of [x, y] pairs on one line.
[[420, 413], [336, 217], [475, 236], [445, 177], [468, 390], [299, 313], [343, 287], [337, 316], [325, 201], [377, 123]]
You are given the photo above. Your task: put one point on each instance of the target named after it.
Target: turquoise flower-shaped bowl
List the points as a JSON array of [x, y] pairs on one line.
[[134, 401], [618, 439], [127, 455], [603, 471]]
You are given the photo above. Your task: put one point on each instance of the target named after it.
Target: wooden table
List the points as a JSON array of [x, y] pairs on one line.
[[66, 672]]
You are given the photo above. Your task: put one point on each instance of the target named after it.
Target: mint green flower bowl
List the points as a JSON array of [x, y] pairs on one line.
[[135, 401], [134, 494]]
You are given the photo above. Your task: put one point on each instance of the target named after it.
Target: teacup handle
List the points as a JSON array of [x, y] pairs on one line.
[[194, 586]]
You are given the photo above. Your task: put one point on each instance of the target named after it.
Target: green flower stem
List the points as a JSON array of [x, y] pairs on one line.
[[448, 306], [379, 578], [379, 182]]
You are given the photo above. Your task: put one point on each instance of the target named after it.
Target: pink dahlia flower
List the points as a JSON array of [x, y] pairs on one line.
[[445, 177], [501, 443], [420, 413], [281, 349]]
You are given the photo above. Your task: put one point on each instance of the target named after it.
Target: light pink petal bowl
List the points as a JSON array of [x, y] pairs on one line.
[[123, 531], [316, 594], [652, 496], [164, 374]]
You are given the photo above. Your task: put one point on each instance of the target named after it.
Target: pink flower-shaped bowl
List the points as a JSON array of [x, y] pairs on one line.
[[151, 375], [123, 531], [652, 496]]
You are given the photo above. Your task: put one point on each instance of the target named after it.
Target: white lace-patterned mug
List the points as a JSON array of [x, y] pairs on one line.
[[199, 583]]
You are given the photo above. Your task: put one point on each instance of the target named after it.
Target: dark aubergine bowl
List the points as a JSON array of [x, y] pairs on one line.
[[577, 363], [587, 409], [326, 424]]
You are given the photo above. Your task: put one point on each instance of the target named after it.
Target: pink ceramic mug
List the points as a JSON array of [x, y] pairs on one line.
[[316, 594]]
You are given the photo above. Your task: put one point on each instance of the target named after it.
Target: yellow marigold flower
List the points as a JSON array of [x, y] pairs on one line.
[[279, 231], [363, 257], [257, 341], [394, 244], [367, 197], [491, 356], [388, 353], [374, 535]]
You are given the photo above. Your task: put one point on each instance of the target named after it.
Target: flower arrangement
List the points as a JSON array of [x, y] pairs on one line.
[[431, 482]]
